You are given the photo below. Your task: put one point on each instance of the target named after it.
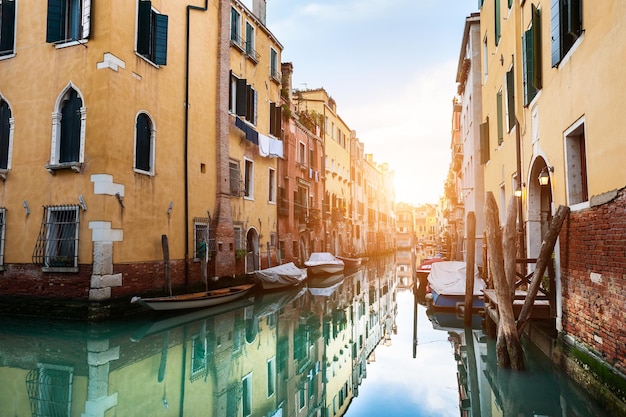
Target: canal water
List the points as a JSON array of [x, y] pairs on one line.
[[361, 347]]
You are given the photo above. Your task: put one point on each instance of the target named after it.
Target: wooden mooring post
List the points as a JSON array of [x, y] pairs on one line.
[[508, 347], [545, 257], [166, 261]]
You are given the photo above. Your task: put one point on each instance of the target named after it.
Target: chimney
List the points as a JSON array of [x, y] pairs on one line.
[[287, 72], [258, 8]]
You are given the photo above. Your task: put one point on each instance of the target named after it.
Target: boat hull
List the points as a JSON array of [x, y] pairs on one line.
[[456, 302], [325, 269], [196, 300], [281, 276]]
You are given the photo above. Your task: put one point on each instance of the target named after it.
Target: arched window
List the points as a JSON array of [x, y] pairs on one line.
[[68, 131], [6, 135], [144, 144]]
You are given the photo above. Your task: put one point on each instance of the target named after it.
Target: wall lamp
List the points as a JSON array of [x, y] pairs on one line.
[[544, 176]]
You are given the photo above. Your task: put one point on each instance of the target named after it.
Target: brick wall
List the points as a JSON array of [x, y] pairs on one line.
[[593, 270]]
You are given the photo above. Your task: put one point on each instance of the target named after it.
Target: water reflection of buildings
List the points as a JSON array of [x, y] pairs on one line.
[[486, 390], [297, 353]]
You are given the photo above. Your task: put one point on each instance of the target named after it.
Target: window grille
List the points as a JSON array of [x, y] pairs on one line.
[[204, 238], [50, 390], [235, 179], [238, 238], [57, 244]]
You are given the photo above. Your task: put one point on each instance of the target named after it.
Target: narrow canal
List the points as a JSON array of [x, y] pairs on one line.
[[362, 347]]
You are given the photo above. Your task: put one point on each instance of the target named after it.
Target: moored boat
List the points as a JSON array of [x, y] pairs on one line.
[[325, 280], [195, 300], [323, 263], [446, 282], [424, 269], [350, 263], [280, 276]]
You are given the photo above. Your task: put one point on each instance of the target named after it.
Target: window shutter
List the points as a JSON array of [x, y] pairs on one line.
[[510, 98], [143, 27], [484, 142], [250, 103], [536, 80], [529, 89], [497, 22], [242, 103], [574, 15], [160, 39], [279, 118], [7, 27], [500, 124], [272, 119], [86, 19], [55, 29], [555, 23]]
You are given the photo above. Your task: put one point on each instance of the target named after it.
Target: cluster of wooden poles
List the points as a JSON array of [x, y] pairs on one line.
[[502, 252]]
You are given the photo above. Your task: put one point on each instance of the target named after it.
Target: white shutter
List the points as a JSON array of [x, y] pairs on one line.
[[86, 19]]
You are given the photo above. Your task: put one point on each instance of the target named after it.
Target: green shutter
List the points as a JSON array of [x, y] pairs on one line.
[[529, 67], [500, 117], [536, 80], [144, 30], [555, 25], [497, 29], [55, 30], [484, 142], [7, 27], [510, 98], [160, 39]]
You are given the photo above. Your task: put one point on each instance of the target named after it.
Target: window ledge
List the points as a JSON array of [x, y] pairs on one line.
[[69, 42], [142, 172], [7, 56], [74, 166], [59, 269], [157, 66]]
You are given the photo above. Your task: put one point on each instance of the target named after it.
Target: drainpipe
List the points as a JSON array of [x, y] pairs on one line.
[[186, 133]]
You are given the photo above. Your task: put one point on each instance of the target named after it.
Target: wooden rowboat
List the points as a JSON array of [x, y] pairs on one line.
[[195, 300]]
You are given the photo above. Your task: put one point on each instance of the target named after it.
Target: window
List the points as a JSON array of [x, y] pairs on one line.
[[567, 26], [271, 377], [235, 178], [250, 42], [246, 395], [272, 185], [68, 131], [204, 238], [68, 20], [3, 214], [510, 99], [248, 186], [575, 157], [485, 59], [50, 389], [500, 118], [7, 27], [6, 136], [301, 153], [151, 34], [243, 99], [532, 57], [238, 238], [144, 144], [497, 27], [199, 358], [235, 26], [57, 244], [276, 112], [274, 74]]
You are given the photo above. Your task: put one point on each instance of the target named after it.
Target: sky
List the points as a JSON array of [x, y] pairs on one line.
[[391, 67]]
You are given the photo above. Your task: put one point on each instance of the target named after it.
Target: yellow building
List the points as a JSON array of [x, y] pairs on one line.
[[336, 137], [255, 129], [551, 96], [115, 135]]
